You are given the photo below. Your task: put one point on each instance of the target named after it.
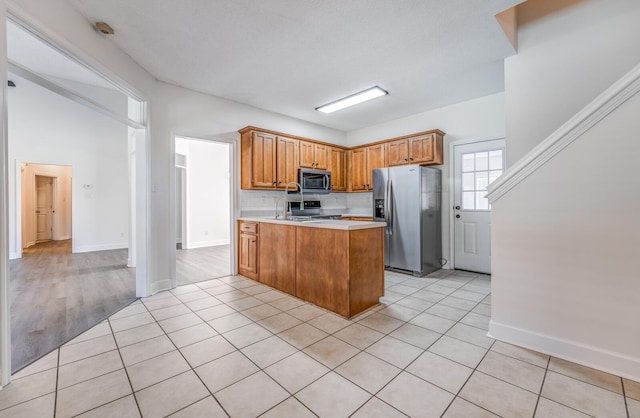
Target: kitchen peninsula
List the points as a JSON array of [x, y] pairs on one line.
[[335, 264]]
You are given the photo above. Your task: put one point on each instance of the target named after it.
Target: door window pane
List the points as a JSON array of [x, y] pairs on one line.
[[468, 201], [468, 181], [482, 203], [482, 180], [495, 160], [468, 162], [482, 161]]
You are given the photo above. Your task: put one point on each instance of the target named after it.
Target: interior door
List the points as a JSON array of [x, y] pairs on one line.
[[476, 165], [44, 208]]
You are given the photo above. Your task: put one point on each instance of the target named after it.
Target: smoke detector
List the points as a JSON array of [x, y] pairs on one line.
[[104, 28]]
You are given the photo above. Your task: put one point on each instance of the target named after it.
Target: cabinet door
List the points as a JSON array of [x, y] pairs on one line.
[[306, 154], [278, 257], [287, 162], [338, 167], [248, 255], [359, 169], [320, 156], [375, 159], [398, 152], [263, 160], [421, 149]]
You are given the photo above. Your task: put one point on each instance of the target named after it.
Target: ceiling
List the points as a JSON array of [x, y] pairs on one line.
[[291, 56]]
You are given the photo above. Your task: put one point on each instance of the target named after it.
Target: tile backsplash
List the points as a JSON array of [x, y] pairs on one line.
[[263, 202]]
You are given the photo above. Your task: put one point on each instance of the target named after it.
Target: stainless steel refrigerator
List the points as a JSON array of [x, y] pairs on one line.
[[409, 199]]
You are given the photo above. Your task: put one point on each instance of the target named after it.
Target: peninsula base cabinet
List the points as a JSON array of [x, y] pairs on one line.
[[277, 265], [336, 269], [342, 271]]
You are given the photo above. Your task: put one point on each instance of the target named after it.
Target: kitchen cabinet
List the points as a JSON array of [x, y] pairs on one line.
[[277, 263], [286, 162], [424, 149], [313, 155], [258, 160], [268, 161], [338, 167], [336, 265], [363, 161], [342, 271], [248, 249]]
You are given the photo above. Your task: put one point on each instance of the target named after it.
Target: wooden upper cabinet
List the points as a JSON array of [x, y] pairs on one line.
[[287, 162], [263, 160], [421, 149], [270, 160], [338, 167], [398, 152], [358, 159], [375, 157], [313, 155], [424, 148]]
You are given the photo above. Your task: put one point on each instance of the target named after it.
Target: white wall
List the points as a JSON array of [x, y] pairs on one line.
[[207, 192], [182, 112], [476, 119], [46, 128], [565, 247], [61, 202], [565, 240], [565, 59]]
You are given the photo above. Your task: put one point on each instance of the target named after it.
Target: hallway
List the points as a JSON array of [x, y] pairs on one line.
[[57, 295]]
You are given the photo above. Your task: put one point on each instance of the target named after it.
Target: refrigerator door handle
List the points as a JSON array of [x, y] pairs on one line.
[[389, 207]]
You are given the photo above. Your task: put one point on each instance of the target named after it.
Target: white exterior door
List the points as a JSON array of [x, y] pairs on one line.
[[476, 165], [44, 208]]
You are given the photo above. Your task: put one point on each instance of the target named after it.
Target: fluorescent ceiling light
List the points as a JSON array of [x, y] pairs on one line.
[[354, 99]]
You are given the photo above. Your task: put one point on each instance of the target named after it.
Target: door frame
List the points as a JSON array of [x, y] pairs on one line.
[[234, 182], [452, 190]]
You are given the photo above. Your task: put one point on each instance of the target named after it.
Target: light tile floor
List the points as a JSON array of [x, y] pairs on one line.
[[232, 347]]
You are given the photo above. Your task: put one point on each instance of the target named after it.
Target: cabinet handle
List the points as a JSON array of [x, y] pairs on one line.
[[411, 159], [274, 182], [405, 159]]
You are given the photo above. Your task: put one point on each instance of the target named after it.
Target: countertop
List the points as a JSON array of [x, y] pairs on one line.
[[319, 223]]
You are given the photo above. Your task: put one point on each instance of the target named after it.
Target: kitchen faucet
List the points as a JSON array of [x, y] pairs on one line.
[[286, 199]]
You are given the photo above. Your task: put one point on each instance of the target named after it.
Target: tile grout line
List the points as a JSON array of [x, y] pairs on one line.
[[55, 400], [135, 399]]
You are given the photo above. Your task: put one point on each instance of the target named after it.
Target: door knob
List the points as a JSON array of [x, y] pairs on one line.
[[457, 216], [457, 207]]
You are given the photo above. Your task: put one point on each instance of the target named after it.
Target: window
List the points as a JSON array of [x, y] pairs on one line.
[[479, 170]]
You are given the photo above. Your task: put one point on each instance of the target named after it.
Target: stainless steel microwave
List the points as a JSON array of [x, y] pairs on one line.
[[314, 181]]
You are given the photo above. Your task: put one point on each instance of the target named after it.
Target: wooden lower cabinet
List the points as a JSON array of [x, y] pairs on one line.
[[342, 271], [339, 270], [277, 262], [248, 251]]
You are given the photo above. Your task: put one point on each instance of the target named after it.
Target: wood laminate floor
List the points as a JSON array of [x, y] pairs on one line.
[[57, 295], [199, 264]]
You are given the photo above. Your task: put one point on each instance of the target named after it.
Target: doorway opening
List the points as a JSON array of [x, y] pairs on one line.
[[86, 121], [202, 209], [45, 197]]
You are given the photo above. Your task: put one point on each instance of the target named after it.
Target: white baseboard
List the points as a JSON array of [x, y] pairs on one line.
[[587, 355], [202, 244], [15, 255], [158, 287], [100, 247]]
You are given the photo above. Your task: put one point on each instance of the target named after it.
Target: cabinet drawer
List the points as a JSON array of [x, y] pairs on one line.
[[249, 227]]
